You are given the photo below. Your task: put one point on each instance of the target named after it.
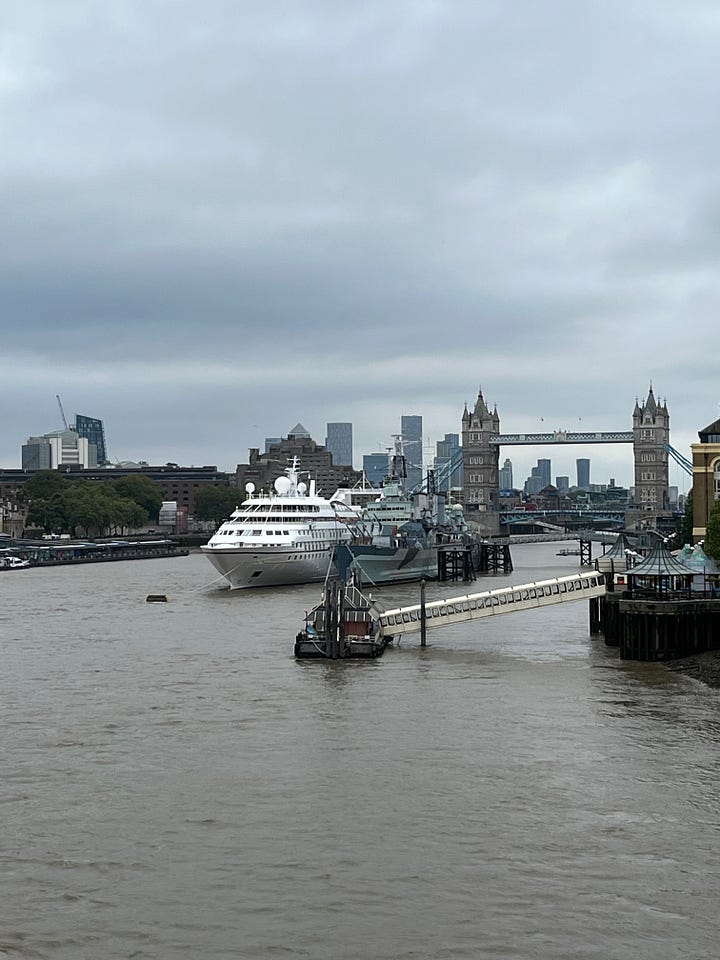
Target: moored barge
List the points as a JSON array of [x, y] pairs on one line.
[[83, 551]]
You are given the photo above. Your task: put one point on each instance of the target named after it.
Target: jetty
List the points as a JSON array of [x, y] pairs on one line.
[[660, 607], [342, 626], [347, 623]]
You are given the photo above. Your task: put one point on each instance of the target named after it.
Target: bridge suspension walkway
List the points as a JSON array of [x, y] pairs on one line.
[[490, 603]]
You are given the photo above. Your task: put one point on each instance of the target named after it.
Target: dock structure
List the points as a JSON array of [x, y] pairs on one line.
[[455, 562], [491, 603], [659, 608], [343, 626], [655, 631]]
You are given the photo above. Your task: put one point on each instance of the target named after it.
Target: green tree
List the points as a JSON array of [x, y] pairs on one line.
[[144, 491], [88, 508], [44, 484], [127, 515], [712, 535], [216, 503], [48, 513]]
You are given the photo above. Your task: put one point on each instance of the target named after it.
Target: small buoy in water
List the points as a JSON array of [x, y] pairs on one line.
[[156, 598]]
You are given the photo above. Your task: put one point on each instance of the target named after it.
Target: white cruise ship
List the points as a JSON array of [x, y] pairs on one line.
[[287, 537]]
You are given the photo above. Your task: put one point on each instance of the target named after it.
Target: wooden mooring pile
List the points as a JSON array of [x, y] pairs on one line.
[[648, 629]]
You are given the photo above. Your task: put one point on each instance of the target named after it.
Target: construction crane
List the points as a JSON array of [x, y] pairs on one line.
[[62, 412]]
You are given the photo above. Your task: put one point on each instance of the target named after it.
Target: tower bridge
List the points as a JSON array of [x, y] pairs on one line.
[[482, 439]]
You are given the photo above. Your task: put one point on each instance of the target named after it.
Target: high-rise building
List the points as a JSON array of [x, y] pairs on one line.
[[447, 453], [339, 441], [539, 477], [562, 484], [534, 483], [545, 472], [411, 433], [56, 449], [505, 480], [93, 431], [583, 473], [375, 467], [271, 442]]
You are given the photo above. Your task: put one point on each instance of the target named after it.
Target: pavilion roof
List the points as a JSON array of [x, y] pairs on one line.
[[661, 563], [619, 548], [699, 561]]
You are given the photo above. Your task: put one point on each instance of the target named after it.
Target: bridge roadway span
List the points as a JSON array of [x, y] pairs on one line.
[[598, 536], [562, 436], [491, 603]]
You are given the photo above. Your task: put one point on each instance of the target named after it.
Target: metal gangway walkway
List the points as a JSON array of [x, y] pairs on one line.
[[491, 603]]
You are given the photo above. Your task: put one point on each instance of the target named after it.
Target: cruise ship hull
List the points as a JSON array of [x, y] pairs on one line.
[[270, 568]]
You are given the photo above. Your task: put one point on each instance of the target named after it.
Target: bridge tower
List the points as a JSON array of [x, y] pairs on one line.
[[480, 465], [651, 432]]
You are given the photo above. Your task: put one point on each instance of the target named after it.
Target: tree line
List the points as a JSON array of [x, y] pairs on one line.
[[90, 508]]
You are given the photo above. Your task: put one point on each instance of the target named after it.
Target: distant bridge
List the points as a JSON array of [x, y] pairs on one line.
[[598, 536], [533, 516], [490, 603]]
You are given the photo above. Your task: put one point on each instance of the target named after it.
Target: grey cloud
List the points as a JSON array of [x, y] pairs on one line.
[[526, 193]]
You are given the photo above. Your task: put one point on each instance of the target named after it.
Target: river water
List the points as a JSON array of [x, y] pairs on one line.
[[176, 786]]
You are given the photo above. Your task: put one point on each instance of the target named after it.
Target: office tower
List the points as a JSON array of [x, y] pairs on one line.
[[534, 483], [562, 484], [583, 473], [545, 471], [339, 442], [411, 433], [93, 431], [506, 476], [375, 467], [56, 449], [448, 463], [271, 442]]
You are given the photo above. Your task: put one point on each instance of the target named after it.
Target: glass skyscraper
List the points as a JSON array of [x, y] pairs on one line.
[[411, 432], [506, 475], [448, 463], [375, 467], [583, 473], [339, 441], [94, 432]]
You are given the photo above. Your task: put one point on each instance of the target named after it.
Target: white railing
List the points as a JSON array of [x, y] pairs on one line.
[[491, 603]]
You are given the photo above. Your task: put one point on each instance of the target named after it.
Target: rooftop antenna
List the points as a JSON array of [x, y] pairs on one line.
[[62, 412]]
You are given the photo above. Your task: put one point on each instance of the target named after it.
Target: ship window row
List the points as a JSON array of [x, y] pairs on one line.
[[252, 532], [274, 518], [287, 508]]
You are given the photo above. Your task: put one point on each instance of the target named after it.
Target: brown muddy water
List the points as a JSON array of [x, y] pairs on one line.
[[175, 786]]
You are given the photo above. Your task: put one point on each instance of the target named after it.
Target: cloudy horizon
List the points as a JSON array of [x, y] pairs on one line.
[[220, 222]]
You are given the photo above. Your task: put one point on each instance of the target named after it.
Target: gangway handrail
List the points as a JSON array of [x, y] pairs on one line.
[[474, 606]]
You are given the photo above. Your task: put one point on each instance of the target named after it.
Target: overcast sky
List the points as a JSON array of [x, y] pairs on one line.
[[221, 218]]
